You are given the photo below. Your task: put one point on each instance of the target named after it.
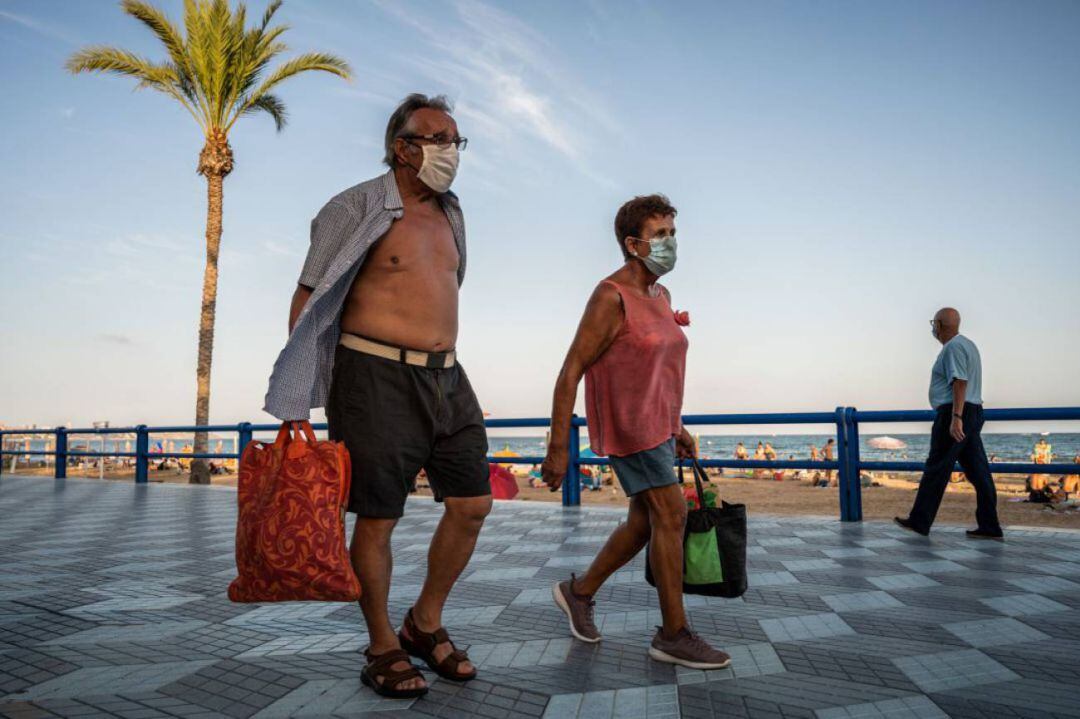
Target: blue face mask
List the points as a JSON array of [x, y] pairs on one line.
[[661, 259]]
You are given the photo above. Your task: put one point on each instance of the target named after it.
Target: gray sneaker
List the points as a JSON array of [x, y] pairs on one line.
[[578, 609], [687, 649]]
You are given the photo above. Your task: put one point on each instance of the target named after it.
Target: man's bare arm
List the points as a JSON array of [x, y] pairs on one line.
[[959, 392], [299, 299]]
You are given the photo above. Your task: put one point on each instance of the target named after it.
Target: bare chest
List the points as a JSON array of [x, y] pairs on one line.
[[421, 240]]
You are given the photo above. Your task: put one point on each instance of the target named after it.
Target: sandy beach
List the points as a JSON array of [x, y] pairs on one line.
[[765, 496]]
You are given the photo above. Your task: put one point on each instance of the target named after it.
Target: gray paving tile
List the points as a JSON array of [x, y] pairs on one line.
[[810, 626], [993, 632], [901, 708], [1018, 605], [953, 670], [124, 613]]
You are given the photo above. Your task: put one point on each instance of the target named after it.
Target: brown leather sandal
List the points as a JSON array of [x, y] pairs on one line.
[[378, 667], [422, 646]]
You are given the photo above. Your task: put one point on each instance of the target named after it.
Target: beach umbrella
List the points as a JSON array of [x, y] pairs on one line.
[[887, 443], [503, 483], [506, 452]]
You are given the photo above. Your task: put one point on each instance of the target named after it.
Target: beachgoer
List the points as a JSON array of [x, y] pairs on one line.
[[1071, 482], [740, 451], [759, 455], [376, 311], [631, 349], [815, 455], [828, 453], [1041, 454], [956, 396], [536, 477]]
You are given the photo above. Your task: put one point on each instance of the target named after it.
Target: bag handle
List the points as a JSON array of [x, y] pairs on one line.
[[699, 475], [294, 431]]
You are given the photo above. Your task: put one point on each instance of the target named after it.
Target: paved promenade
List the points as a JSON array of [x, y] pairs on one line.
[[112, 603]]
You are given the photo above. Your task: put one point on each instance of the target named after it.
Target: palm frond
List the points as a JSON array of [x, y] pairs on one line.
[[271, 104], [215, 65], [161, 26], [103, 58], [270, 10], [307, 62]]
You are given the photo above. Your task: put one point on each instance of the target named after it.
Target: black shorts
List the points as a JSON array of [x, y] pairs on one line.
[[396, 419]]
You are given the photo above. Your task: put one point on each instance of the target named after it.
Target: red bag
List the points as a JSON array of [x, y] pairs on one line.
[[290, 534]]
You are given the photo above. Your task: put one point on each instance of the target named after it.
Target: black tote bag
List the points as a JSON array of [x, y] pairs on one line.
[[714, 547]]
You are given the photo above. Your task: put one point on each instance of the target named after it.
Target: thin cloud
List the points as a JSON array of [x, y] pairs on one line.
[[507, 78], [279, 248], [41, 28], [115, 339]]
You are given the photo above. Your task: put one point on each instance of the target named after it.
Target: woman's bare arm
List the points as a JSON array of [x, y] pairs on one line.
[[599, 326]]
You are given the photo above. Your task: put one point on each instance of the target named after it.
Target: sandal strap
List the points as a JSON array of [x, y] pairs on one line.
[[427, 641], [380, 664], [452, 661], [392, 679]]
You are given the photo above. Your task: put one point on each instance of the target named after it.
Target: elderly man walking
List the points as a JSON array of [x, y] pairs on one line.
[[956, 396], [373, 325]]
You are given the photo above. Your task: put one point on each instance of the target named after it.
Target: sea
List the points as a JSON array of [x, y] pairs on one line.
[[1003, 447]]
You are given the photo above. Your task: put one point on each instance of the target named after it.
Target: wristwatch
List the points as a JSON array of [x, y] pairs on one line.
[[958, 416]]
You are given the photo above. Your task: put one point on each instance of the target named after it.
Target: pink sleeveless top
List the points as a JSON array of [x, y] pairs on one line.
[[634, 391]]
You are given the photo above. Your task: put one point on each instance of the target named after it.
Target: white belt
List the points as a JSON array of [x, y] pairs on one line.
[[431, 360]]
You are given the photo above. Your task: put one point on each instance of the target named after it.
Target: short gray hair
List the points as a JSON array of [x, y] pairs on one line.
[[399, 120]]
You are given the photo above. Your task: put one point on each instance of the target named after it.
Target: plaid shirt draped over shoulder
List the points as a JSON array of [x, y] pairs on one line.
[[341, 235]]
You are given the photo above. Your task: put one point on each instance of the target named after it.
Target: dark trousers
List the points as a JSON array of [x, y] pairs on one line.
[[945, 452]]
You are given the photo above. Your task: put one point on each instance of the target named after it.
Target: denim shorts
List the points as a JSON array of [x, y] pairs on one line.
[[647, 469]]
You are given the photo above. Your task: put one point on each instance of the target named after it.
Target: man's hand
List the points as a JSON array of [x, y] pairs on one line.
[[554, 468], [957, 429], [685, 446]]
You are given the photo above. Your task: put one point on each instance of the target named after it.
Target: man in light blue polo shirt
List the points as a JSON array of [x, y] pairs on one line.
[[956, 395]]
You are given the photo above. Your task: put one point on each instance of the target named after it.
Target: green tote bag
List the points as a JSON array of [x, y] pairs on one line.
[[714, 547]]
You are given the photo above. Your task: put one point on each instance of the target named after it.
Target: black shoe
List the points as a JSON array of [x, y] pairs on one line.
[[906, 524], [983, 534]]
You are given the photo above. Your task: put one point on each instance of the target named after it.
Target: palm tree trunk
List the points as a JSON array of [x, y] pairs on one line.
[[200, 469]]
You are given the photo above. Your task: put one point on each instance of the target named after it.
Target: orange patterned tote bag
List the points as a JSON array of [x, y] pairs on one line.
[[290, 533]]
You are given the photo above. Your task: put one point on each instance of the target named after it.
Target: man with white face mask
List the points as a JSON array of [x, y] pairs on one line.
[[373, 326]]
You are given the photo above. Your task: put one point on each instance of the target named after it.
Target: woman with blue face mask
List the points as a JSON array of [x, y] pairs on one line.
[[631, 349]]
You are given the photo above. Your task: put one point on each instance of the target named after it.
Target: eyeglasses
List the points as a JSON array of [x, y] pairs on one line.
[[441, 140], [933, 323]]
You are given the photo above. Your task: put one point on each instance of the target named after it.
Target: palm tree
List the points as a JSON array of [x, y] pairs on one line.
[[215, 71]]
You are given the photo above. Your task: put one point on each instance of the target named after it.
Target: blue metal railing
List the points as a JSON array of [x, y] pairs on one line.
[[847, 463]]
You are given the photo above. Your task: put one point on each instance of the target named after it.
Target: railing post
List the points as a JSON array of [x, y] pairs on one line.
[[855, 496], [60, 459], [243, 432], [571, 487], [843, 478], [142, 454]]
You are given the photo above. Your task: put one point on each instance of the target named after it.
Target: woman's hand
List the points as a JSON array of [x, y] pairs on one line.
[[553, 469], [685, 446]]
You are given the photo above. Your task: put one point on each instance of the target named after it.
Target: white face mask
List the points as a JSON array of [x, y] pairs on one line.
[[439, 167]]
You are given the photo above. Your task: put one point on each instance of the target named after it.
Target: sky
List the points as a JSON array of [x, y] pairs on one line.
[[841, 171]]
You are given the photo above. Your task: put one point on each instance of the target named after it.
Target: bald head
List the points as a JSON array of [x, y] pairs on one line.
[[949, 318], [946, 324]]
